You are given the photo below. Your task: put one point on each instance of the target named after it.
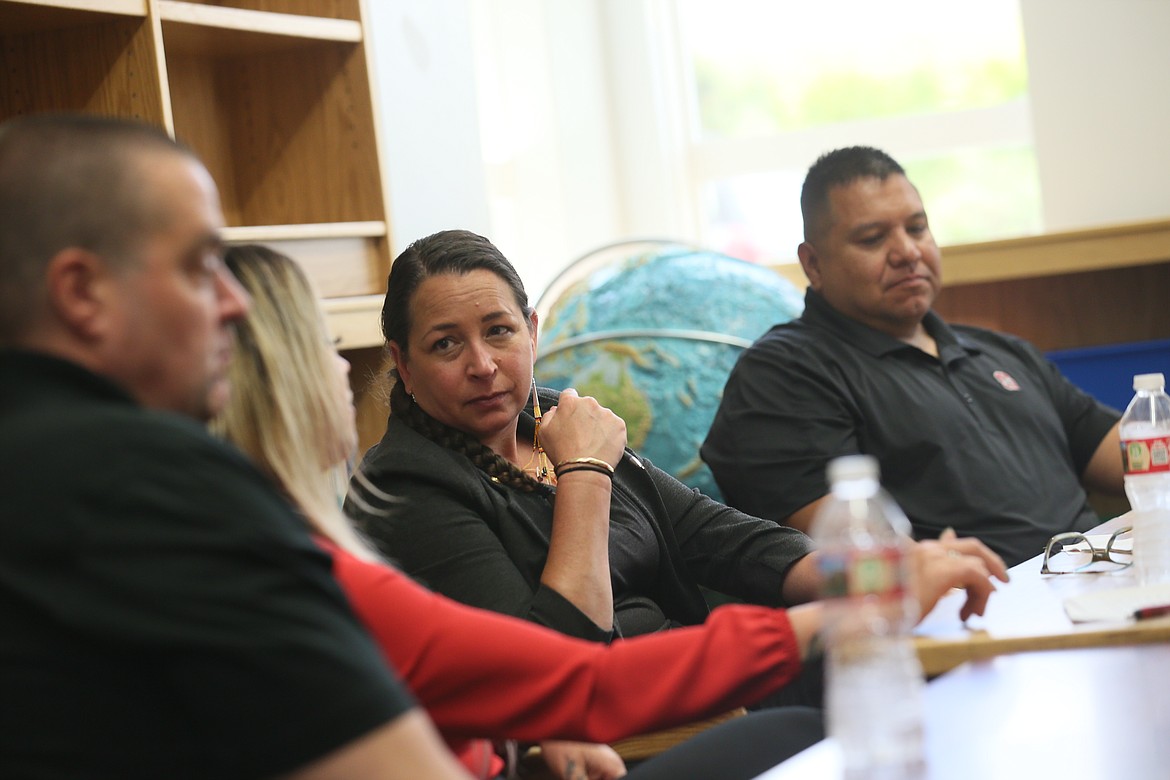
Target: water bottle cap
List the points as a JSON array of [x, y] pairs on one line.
[[853, 467], [1149, 382]]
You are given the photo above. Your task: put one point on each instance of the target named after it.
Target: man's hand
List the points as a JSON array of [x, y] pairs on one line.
[[582, 761]]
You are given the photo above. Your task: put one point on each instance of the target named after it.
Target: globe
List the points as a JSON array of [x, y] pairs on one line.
[[652, 330]]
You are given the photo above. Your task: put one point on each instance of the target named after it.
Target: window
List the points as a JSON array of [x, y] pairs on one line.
[[941, 86], [695, 120]]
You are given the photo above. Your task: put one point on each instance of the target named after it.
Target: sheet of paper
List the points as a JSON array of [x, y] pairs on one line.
[[1116, 604]]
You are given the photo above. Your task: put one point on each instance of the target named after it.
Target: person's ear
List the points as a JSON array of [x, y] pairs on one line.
[[398, 355], [80, 292], [810, 261]]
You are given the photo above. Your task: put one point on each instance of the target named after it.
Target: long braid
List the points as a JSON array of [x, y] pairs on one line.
[[484, 458]]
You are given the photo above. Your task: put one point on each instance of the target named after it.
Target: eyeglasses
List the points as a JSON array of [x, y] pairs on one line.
[[1074, 552]]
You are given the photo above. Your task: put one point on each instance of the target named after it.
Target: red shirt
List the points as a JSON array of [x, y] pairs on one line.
[[480, 674]]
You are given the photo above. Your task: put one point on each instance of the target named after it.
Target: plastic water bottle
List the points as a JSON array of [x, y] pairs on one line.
[[874, 680], [1145, 439]]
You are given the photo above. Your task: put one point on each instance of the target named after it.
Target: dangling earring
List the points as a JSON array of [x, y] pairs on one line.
[[539, 461], [413, 400]]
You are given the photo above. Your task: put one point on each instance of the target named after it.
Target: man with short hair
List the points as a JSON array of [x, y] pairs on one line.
[[974, 430], [165, 612]]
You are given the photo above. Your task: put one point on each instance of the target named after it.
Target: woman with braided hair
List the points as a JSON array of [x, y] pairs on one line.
[[529, 503], [481, 675]]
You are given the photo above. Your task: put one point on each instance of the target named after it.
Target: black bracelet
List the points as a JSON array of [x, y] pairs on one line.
[[595, 462], [583, 467]]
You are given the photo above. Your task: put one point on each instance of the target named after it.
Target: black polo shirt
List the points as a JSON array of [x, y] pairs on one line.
[[988, 438], [163, 611]]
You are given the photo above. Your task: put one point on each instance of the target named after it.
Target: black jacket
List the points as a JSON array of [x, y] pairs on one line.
[[482, 543]]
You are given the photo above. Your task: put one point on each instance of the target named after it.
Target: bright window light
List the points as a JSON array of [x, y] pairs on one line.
[[941, 86]]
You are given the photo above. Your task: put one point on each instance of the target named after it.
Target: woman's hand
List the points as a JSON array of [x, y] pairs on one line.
[[577, 566], [969, 545], [949, 562], [582, 761], [580, 427], [952, 562]]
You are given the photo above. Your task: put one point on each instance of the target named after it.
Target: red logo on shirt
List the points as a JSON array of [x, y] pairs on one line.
[[1005, 379]]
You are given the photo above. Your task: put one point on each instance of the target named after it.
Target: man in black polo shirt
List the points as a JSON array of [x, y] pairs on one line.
[[163, 611], [974, 430]]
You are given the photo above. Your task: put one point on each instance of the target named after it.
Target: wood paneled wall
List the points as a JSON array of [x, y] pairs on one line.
[[1085, 309]]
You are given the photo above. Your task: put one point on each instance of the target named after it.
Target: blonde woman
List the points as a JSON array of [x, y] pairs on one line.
[[484, 675]]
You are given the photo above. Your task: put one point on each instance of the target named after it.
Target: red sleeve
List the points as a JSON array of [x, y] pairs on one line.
[[483, 674]]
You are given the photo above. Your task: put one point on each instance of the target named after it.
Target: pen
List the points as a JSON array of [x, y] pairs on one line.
[[1145, 613]]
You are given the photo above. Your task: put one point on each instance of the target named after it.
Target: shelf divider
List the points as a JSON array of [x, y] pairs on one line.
[[260, 22], [355, 321], [261, 233], [120, 7]]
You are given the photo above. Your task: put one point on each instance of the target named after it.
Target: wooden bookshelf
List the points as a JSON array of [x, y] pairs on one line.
[[275, 97]]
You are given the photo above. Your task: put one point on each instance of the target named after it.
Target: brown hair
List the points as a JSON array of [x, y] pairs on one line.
[[448, 252]]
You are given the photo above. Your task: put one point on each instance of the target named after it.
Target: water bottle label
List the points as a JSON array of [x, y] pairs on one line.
[[852, 573], [1143, 456]]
